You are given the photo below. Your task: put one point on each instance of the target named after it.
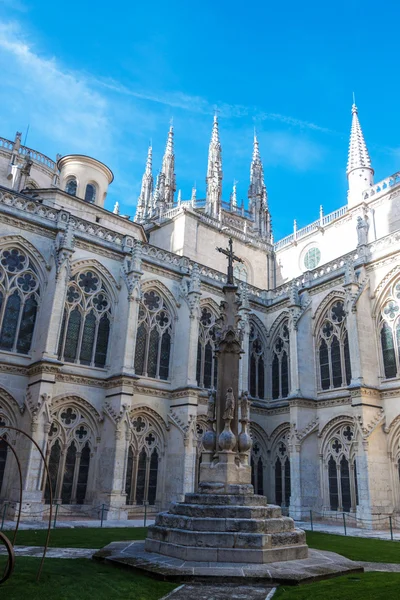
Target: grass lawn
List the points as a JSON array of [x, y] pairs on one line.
[[356, 548], [363, 586], [82, 579], [78, 538]]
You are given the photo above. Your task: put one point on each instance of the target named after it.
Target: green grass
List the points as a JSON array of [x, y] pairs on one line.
[[78, 538], [81, 579], [363, 586], [356, 548]]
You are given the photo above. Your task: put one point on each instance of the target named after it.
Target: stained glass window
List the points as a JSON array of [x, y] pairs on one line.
[[287, 481], [333, 349], [90, 193], [141, 477], [206, 371], [388, 351], [356, 481], [71, 187], [153, 474], [83, 474], [153, 338], [129, 473], [256, 363], [345, 484], [85, 328], [3, 459], [333, 484], [280, 363], [312, 258], [69, 470], [278, 482], [19, 295], [260, 477]]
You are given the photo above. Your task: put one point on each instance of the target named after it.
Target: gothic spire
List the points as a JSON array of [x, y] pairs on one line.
[[258, 198], [233, 202], [360, 173], [214, 173], [168, 169], [143, 208]]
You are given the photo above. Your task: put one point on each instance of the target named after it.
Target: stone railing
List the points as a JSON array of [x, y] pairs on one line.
[[97, 231], [27, 205], [323, 221], [379, 189], [35, 156]]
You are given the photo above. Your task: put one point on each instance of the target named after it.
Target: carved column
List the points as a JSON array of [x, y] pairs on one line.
[[294, 313], [351, 289], [193, 298], [295, 509], [132, 273], [245, 329]]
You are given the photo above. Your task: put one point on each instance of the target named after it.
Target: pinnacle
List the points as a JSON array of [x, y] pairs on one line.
[[358, 152]]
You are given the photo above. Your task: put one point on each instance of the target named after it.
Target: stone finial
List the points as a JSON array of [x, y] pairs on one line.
[[195, 279], [116, 208]]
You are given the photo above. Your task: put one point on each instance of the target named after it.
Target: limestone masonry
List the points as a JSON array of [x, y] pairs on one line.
[[108, 328]]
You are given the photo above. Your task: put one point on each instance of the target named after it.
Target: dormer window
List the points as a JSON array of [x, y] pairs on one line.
[[90, 194], [71, 186]]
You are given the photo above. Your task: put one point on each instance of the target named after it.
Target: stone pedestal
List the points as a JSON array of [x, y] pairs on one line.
[[235, 528]]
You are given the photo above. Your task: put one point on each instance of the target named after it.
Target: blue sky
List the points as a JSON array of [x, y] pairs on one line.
[[103, 78]]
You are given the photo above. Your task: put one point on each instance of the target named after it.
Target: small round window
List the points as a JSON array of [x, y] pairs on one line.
[[312, 258]]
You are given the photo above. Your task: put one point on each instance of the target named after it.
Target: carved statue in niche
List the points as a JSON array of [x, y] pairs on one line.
[[229, 405], [362, 231], [211, 405]]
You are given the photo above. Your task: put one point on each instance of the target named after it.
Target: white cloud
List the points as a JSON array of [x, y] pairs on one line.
[[58, 103], [284, 148]]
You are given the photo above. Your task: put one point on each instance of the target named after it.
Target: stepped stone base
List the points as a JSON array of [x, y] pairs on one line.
[[234, 528]]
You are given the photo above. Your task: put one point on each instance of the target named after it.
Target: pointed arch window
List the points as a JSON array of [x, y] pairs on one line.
[[142, 469], [341, 470], [333, 349], [390, 332], [69, 461], [206, 372], [85, 329], [256, 363], [282, 472], [257, 467], [280, 363], [19, 300], [154, 337]]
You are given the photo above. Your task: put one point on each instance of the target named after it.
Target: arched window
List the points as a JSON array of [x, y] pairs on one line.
[[70, 440], [282, 472], [257, 468], [143, 462], [341, 469], [85, 328], [280, 363], [333, 349], [256, 363], [19, 298], [390, 332], [90, 193], [206, 372], [154, 336], [71, 186]]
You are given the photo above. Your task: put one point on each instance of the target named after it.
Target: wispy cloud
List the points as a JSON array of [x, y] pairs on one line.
[[58, 102]]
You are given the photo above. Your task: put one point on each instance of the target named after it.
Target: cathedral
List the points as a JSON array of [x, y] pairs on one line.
[[108, 328]]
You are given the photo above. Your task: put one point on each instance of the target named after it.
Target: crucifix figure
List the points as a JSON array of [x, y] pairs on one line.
[[231, 258]]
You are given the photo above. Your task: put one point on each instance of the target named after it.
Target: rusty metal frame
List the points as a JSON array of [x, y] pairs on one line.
[[11, 560]]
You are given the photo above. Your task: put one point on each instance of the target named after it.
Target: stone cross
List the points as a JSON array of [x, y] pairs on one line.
[[231, 258]]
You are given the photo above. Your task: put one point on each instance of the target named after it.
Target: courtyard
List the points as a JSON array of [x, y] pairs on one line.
[[68, 578]]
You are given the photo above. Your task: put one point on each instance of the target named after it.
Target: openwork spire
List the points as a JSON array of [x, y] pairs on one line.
[[214, 173], [144, 205], [168, 170], [358, 152], [258, 198]]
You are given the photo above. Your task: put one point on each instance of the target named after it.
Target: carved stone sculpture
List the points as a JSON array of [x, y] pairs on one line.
[[229, 405]]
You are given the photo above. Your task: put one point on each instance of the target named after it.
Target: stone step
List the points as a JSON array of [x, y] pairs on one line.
[[230, 539], [227, 555], [274, 525], [269, 511], [227, 499]]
